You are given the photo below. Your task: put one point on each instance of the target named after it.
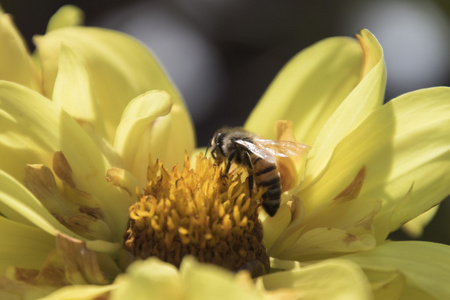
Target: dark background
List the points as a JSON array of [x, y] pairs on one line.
[[222, 54]]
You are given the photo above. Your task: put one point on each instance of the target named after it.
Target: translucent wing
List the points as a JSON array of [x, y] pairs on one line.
[[257, 150], [283, 148]]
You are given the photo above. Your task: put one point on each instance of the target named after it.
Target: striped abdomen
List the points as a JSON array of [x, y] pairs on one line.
[[265, 173]]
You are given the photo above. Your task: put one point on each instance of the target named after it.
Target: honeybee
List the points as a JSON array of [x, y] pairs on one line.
[[258, 156]]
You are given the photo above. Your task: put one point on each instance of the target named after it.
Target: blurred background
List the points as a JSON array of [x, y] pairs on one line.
[[222, 54]]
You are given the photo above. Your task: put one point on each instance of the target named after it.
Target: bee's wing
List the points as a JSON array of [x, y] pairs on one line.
[[256, 149], [283, 148]]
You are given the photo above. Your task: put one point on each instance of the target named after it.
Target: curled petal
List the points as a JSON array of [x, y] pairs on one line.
[[309, 88], [415, 227], [137, 127], [68, 15], [363, 99]]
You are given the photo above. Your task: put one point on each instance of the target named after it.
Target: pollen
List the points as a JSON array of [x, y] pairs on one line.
[[198, 211]]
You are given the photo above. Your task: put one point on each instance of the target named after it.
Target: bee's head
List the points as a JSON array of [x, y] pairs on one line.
[[216, 146]]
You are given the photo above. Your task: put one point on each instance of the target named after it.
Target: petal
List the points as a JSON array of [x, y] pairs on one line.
[[120, 69], [171, 137], [425, 265], [356, 217], [68, 15], [33, 129], [404, 146], [415, 227], [73, 90], [134, 133], [204, 281], [18, 204], [81, 292], [387, 284], [309, 88], [149, 278], [331, 279], [80, 264], [22, 245], [274, 226], [320, 243], [15, 61], [123, 179], [364, 98]]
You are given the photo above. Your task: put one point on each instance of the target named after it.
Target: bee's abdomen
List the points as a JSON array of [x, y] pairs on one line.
[[266, 175]]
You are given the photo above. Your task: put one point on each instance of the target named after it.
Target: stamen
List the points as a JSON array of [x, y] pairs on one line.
[[201, 212]]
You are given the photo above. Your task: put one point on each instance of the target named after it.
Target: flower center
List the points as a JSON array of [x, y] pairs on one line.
[[201, 212]]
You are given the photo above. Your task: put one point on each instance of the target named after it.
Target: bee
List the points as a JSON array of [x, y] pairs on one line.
[[235, 144]]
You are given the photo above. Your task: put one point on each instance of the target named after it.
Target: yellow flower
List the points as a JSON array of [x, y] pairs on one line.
[[93, 103], [371, 168]]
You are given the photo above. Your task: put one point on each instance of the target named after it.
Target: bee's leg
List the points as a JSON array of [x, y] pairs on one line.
[[230, 158], [207, 148], [248, 162], [250, 184]]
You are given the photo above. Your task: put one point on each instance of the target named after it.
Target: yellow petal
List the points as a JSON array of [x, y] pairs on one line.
[[149, 279], [80, 264], [40, 181], [364, 98], [81, 292], [415, 227], [404, 143], [172, 137], [139, 123], [355, 217], [73, 90], [386, 284], [203, 281], [18, 204], [15, 61], [425, 265], [123, 179], [120, 69], [274, 226], [309, 88], [33, 129], [330, 279], [320, 243], [22, 245], [68, 15]]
